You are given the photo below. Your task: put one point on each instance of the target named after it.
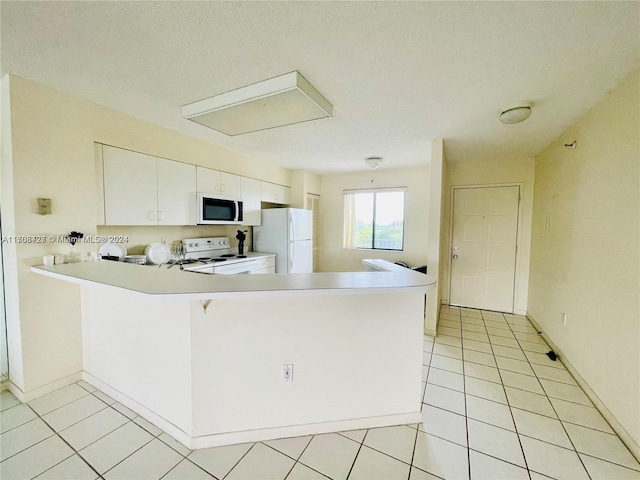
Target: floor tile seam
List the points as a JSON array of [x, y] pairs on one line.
[[84, 388], [57, 434], [312, 468], [449, 440], [500, 459], [57, 408], [592, 428], [413, 452], [466, 412], [20, 425], [513, 420], [82, 419], [425, 471], [480, 378], [448, 388], [235, 464], [122, 460], [358, 453], [180, 462], [391, 456], [282, 453], [150, 433], [590, 455], [29, 446], [556, 414]]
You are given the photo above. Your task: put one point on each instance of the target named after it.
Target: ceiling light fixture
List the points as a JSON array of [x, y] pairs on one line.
[[279, 101], [373, 162], [515, 113]]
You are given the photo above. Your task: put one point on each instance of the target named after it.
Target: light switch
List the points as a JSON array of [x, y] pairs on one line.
[[44, 206]]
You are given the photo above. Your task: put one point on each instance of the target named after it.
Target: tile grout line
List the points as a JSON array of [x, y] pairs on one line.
[[515, 426], [464, 394], [55, 433], [556, 413]]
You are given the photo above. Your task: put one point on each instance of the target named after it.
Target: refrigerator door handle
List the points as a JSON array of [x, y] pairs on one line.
[[291, 240]]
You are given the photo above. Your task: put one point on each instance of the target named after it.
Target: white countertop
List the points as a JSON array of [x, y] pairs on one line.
[[173, 283]]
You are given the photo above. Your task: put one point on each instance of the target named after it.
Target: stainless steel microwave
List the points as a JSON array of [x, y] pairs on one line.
[[217, 210]]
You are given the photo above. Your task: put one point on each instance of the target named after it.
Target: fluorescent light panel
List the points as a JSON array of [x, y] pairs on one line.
[[279, 101]]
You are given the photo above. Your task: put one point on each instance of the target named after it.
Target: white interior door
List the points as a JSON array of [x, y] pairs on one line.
[[483, 247]]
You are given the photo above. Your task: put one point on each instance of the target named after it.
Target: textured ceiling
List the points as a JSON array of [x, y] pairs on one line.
[[397, 73]]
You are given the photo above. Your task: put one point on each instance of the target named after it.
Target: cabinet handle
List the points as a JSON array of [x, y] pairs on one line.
[[160, 215], [151, 215]]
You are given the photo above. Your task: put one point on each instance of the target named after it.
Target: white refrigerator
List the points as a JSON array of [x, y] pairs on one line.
[[287, 232]]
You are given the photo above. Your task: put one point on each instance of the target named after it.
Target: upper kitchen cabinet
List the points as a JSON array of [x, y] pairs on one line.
[[272, 193], [219, 183], [176, 196], [251, 201], [141, 189]]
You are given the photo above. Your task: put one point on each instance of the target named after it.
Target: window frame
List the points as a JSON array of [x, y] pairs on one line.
[[375, 191]]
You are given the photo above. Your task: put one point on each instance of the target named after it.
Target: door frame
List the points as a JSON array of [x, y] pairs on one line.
[[514, 300]]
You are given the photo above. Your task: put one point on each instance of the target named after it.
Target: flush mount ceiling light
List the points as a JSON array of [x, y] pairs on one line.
[[373, 162], [515, 113], [279, 101]]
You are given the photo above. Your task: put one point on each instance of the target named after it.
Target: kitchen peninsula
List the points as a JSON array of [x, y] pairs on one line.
[[201, 356]]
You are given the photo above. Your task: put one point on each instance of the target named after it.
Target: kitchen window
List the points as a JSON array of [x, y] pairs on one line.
[[374, 219]]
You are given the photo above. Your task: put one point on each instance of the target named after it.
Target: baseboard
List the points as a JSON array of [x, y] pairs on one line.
[[4, 385], [428, 331], [264, 434], [27, 396], [163, 424], [257, 435], [617, 427]]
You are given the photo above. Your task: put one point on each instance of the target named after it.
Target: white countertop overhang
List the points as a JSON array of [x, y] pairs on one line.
[[175, 284]]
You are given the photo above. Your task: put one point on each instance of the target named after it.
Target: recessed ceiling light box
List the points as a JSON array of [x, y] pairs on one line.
[[279, 101]]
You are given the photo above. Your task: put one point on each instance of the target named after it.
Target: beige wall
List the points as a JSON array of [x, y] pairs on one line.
[[497, 172], [49, 153], [303, 183], [333, 257], [585, 259]]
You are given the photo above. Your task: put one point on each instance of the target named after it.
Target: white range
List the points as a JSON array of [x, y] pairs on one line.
[[214, 255]]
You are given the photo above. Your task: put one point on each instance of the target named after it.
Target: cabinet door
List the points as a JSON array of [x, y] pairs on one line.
[[208, 180], [251, 201], [130, 187], [176, 193], [273, 193], [230, 185], [283, 194]]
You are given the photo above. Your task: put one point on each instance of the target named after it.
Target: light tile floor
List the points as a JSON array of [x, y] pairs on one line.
[[494, 407]]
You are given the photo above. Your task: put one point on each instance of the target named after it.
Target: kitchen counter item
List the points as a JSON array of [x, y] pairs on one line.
[[112, 251], [158, 253], [137, 259]]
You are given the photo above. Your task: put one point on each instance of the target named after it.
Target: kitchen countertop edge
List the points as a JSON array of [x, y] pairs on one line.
[[174, 284]]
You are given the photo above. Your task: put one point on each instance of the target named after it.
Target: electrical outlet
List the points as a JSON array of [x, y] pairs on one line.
[[286, 373], [564, 319]]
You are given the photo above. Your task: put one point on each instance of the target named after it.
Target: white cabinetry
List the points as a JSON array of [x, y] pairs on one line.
[[266, 265], [272, 193], [220, 183], [251, 201], [176, 193], [141, 189]]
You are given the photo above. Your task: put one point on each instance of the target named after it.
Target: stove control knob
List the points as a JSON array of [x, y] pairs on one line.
[[225, 242]]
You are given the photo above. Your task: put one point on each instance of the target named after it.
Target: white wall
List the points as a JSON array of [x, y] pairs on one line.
[[433, 240], [497, 172], [585, 259], [47, 151], [335, 258]]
